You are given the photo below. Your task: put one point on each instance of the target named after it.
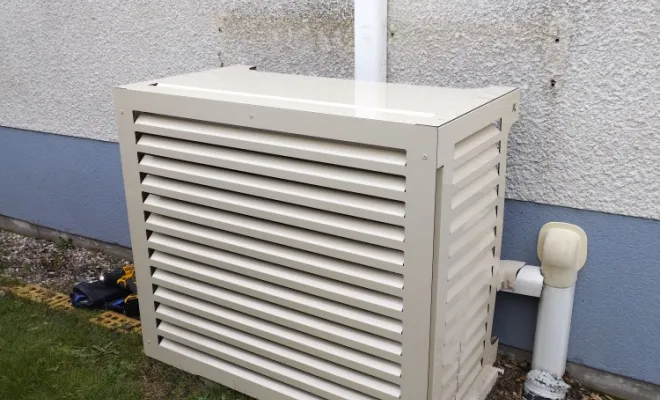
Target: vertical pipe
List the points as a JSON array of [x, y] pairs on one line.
[[371, 40], [553, 328]]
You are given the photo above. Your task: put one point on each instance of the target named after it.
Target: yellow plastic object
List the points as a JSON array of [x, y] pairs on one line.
[[562, 249], [54, 300], [117, 322]]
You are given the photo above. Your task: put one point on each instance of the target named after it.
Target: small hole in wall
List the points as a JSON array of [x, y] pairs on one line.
[[553, 83], [391, 34], [220, 30], [556, 40]]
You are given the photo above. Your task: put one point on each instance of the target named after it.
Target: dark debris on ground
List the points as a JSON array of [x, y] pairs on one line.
[[511, 382]]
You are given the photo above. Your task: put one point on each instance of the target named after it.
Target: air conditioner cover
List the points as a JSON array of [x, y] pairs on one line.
[[299, 237]]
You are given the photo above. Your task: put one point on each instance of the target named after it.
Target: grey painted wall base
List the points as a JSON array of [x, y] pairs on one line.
[[29, 229], [604, 382], [74, 185]]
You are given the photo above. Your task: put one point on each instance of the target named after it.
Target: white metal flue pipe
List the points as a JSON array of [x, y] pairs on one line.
[[371, 40], [562, 249], [553, 327]]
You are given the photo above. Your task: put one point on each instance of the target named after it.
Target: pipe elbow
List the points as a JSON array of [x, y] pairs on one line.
[[562, 249]]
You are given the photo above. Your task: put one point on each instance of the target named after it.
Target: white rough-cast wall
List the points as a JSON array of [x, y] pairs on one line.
[[589, 134]]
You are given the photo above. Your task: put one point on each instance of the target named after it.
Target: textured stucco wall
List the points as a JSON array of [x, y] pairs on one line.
[[591, 141]]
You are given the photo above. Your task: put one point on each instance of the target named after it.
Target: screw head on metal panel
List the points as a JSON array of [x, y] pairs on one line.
[[515, 106], [121, 112], [425, 157], [251, 116], [148, 341]]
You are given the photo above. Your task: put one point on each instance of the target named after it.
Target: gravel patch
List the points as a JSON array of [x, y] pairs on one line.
[[58, 266], [55, 265]]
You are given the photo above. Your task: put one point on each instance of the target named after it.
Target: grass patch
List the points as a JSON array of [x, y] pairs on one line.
[[48, 354]]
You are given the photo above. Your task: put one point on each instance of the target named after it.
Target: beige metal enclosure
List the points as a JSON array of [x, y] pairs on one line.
[[310, 238]]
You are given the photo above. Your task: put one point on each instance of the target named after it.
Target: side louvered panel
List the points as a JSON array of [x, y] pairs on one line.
[[309, 148], [262, 365], [313, 325], [360, 319], [475, 184], [224, 367], [466, 149], [303, 217], [281, 354], [348, 250], [342, 202], [350, 179], [466, 219], [475, 190], [324, 349], [476, 167], [301, 281]]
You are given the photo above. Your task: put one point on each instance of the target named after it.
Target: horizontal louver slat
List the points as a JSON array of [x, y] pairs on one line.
[[340, 225], [266, 251], [322, 348], [360, 319], [313, 325], [354, 180], [234, 370], [301, 281], [281, 354], [305, 147], [259, 364], [348, 250], [342, 202]]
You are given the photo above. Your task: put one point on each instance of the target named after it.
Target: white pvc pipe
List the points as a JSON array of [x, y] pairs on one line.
[[553, 328], [371, 40]]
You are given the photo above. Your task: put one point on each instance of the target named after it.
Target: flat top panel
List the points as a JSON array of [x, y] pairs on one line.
[[423, 105]]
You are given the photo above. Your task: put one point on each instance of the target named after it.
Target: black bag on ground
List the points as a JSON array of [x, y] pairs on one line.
[[96, 295]]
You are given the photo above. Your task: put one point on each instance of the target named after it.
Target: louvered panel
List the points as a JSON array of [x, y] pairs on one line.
[[339, 333], [472, 192], [360, 319], [484, 245], [466, 384], [301, 281], [460, 330], [474, 144], [374, 158], [209, 362], [324, 349], [344, 226], [466, 219], [245, 359], [476, 167], [449, 376], [449, 392], [348, 250], [270, 252], [342, 202], [462, 285], [471, 305], [475, 184], [281, 354], [461, 244], [360, 181]]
